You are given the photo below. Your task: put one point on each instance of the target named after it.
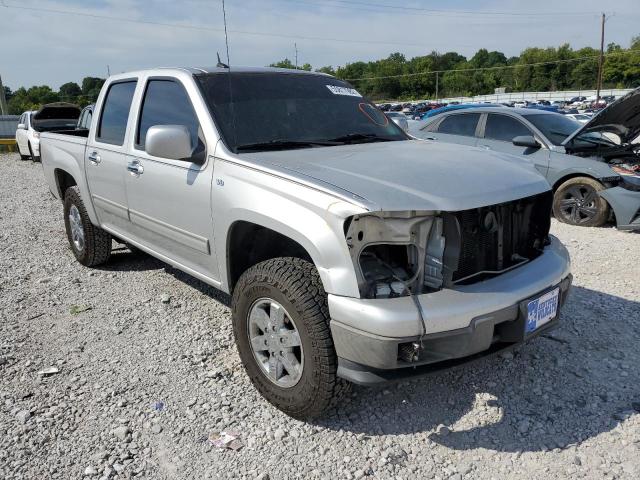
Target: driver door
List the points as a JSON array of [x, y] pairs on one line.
[[498, 134], [169, 200]]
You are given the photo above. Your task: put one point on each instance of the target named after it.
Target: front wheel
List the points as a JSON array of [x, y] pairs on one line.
[[577, 202], [90, 244], [281, 328]]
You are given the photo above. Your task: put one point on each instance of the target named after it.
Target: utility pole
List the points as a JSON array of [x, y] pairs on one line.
[[600, 61], [437, 78], [295, 45], [4, 110]]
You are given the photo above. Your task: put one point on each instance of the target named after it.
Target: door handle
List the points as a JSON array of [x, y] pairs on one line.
[[135, 168], [94, 158], [486, 147]]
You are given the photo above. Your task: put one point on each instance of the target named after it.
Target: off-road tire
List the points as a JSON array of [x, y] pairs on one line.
[[296, 285], [97, 242], [600, 204]]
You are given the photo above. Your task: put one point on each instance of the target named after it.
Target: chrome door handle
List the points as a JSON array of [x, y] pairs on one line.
[[486, 147], [135, 168], [94, 158]]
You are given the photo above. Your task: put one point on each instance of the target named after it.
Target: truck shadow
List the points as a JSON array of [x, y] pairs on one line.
[[559, 390]]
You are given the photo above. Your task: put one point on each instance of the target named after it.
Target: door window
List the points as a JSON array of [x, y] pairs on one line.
[[504, 128], [85, 119], [115, 113], [166, 103], [460, 124]]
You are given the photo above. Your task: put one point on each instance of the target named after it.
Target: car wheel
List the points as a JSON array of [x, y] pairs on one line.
[[90, 244], [281, 328], [577, 202]]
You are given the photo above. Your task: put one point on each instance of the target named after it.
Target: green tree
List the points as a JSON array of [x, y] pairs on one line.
[[69, 92]]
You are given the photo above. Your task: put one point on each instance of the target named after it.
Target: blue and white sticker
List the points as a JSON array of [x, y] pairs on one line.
[[350, 92]]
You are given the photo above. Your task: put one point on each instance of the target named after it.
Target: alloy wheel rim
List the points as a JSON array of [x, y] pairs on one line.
[[579, 204], [77, 230], [275, 342]]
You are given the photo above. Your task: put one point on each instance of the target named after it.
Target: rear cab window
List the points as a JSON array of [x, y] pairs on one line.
[[504, 128], [112, 126], [464, 124]]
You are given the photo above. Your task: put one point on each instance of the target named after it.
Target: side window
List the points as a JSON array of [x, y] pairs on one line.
[[504, 128], [460, 124], [85, 119], [166, 103], [115, 113]]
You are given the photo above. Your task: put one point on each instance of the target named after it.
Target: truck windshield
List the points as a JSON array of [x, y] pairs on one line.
[[280, 111]]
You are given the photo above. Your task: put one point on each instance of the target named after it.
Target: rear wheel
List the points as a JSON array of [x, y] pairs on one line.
[[577, 202], [90, 244], [281, 327]]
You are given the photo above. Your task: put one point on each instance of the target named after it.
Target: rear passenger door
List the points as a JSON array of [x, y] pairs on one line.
[[498, 134], [105, 162], [169, 200], [460, 128]]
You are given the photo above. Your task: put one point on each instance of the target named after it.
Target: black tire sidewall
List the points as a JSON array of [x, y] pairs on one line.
[[295, 400], [72, 198]]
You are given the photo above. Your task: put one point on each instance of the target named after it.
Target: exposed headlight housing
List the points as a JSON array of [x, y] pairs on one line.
[[629, 176], [36, 134], [396, 253]]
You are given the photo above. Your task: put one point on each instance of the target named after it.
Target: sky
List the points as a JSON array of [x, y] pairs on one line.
[[39, 45]]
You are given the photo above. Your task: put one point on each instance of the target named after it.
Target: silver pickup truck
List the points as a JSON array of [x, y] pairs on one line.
[[351, 251]]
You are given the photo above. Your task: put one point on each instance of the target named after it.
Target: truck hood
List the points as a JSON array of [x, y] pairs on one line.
[[411, 174], [622, 117]]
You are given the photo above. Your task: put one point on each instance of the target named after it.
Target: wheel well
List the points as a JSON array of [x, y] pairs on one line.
[[569, 177], [64, 180], [249, 244]]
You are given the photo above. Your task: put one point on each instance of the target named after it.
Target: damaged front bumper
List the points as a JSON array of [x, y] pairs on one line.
[[625, 205], [371, 336]]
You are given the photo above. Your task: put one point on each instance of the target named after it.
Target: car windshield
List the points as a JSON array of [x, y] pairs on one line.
[[555, 127], [278, 111]]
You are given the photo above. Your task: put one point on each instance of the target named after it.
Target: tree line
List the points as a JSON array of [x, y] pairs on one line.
[[559, 68], [399, 78], [33, 98]]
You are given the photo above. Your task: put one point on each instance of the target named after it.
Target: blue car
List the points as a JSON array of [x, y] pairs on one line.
[[462, 106]]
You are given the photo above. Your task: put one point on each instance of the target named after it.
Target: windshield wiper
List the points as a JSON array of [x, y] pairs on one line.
[[360, 138], [284, 144]]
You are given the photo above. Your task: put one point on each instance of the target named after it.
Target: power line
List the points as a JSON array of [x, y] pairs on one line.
[[432, 11], [501, 67], [211, 29]]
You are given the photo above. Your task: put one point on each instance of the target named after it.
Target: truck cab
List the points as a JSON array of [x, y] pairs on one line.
[[353, 253]]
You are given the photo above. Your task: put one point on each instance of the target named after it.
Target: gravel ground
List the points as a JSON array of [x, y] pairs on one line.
[[147, 370]]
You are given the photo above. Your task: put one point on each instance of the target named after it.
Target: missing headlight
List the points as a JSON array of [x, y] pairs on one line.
[[388, 270], [388, 251]]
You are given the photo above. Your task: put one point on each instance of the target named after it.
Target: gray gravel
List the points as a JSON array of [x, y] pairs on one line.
[[145, 371]]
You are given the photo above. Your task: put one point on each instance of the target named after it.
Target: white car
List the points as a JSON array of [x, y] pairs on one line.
[[52, 117], [27, 138]]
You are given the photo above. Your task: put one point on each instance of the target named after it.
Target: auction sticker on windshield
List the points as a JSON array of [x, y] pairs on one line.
[[542, 310], [351, 92]]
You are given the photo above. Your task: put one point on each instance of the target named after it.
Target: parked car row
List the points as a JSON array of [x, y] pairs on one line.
[[351, 250], [593, 167]]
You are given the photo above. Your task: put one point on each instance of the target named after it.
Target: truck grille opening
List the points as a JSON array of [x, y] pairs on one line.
[[497, 238]]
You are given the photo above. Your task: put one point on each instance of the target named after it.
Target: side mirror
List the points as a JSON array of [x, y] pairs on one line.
[[169, 141], [22, 126], [401, 122], [526, 141]]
